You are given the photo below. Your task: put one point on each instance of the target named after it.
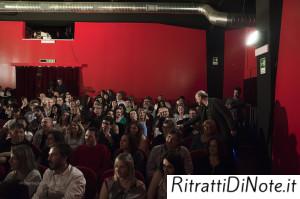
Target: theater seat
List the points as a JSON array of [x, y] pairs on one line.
[[197, 158], [91, 182]]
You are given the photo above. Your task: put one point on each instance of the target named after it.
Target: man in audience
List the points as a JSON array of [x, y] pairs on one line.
[[40, 137], [61, 180], [172, 144], [236, 106], [92, 155], [60, 87], [106, 136]]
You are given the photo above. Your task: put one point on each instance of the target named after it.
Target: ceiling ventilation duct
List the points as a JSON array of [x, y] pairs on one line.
[[214, 17]]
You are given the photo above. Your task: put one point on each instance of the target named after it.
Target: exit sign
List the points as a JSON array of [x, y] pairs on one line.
[[47, 60]]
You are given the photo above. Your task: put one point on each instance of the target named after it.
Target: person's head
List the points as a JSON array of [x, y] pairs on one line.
[[133, 115], [147, 102], [236, 92], [173, 139], [59, 155], [106, 123], [22, 159], [209, 127], [98, 109], [201, 96], [142, 114], [192, 113], [60, 101], [167, 126], [172, 164], [47, 123], [55, 137], [119, 95], [135, 129], [59, 81], [17, 133], [119, 112], [163, 112], [90, 137], [124, 166], [128, 143], [180, 109]]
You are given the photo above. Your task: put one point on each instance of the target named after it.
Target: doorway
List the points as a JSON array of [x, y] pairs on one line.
[[32, 80]]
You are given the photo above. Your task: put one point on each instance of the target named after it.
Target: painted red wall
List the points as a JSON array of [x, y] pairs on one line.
[[141, 59], [239, 60], [286, 134]]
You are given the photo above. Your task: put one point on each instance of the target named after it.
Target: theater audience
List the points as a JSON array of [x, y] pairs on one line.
[[61, 180], [124, 183]]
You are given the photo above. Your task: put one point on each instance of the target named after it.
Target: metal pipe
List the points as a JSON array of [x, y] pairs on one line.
[[214, 17]]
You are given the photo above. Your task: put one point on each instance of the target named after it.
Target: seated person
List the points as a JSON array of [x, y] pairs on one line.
[[23, 170], [61, 180], [200, 140], [129, 145], [16, 137], [91, 154], [136, 130], [216, 162], [171, 164], [124, 183], [53, 137], [173, 140]]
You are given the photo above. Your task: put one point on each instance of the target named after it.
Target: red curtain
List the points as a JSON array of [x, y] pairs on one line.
[[30, 81]]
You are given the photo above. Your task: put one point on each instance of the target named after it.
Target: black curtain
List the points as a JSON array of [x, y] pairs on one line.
[[30, 81]]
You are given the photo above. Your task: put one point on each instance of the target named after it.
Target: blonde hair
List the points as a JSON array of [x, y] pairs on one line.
[[128, 161]]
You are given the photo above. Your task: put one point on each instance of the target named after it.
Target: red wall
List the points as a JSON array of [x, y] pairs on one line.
[[239, 60], [141, 59], [286, 134]]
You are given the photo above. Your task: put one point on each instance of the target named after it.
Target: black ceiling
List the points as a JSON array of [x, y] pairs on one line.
[[192, 21]]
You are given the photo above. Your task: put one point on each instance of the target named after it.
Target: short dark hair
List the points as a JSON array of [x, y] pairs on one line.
[[109, 119], [57, 135], [176, 160], [64, 150]]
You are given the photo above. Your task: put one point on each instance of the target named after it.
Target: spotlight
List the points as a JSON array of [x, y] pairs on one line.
[[252, 38]]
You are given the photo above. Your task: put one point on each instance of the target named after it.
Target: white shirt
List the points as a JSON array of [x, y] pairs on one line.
[[68, 185]]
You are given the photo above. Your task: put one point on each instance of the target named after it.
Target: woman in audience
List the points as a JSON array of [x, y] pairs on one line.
[[128, 145], [180, 113], [136, 130], [124, 183], [55, 113], [65, 121], [75, 135], [23, 172], [200, 141], [171, 164], [217, 162]]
